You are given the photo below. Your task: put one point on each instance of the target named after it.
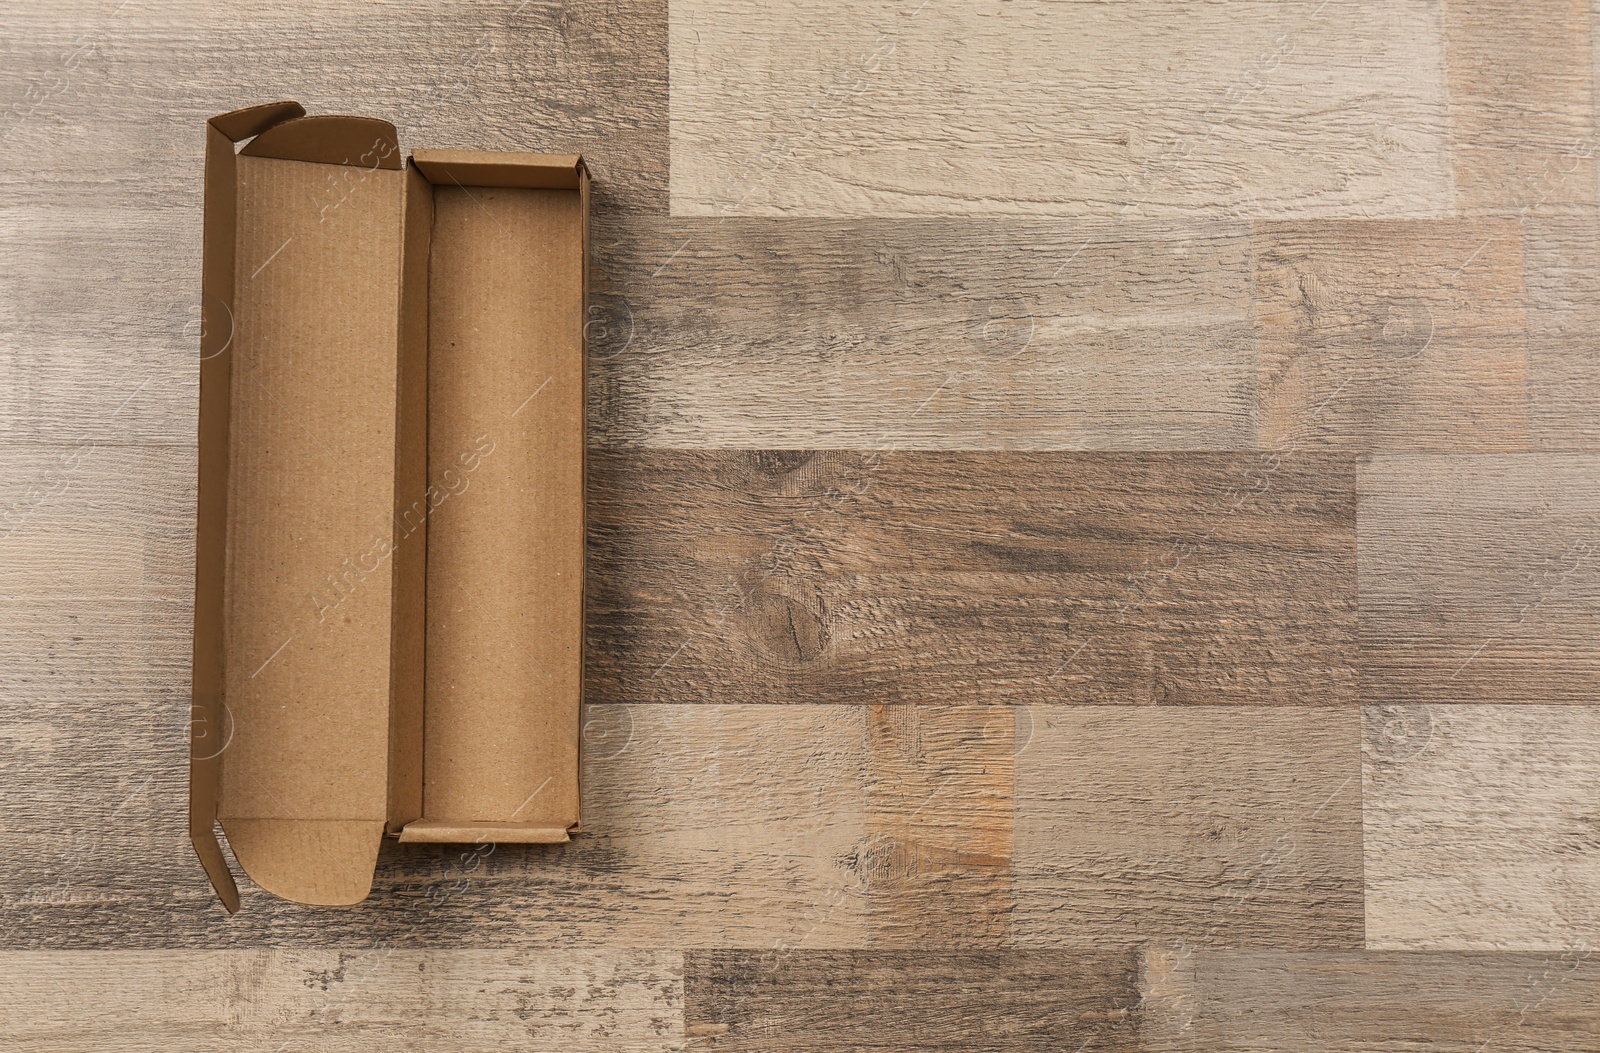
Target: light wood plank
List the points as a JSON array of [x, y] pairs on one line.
[[1386, 335], [752, 826], [1522, 129], [1205, 825], [936, 999], [172, 1001], [925, 334], [723, 576], [939, 814], [1329, 1001], [1138, 109], [1480, 578], [1563, 283], [1480, 827]]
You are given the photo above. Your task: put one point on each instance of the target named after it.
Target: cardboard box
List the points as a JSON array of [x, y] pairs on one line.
[[388, 632]]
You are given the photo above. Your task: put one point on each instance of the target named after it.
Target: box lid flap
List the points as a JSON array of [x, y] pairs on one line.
[[484, 168], [364, 142], [253, 120], [326, 862]]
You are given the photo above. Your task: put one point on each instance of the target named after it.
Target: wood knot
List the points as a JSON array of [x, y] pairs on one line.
[[780, 462], [791, 628]]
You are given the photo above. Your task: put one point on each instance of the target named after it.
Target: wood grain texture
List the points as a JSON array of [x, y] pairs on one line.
[[1291, 1001], [103, 134], [1205, 825], [271, 1000], [1522, 129], [1481, 827], [1562, 253], [1236, 355], [922, 334], [939, 804], [907, 108], [985, 1002], [704, 825], [1480, 578], [725, 576], [1384, 335]]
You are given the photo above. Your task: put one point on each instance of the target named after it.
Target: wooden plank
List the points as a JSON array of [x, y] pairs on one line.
[[725, 576], [1318, 1001], [1522, 130], [100, 227], [1206, 825], [1480, 827], [754, 826], [1479, 578], [1392, 335], [936, 999], [1563, 283], [174, 1001], [926, 334], [1285, 110], [939, 799]]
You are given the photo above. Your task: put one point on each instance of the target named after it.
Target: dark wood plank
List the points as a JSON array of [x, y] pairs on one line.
[[1392, 334], [998, 333], [975, 1001], [1291, 1001], [1206, 825], [725, 576]]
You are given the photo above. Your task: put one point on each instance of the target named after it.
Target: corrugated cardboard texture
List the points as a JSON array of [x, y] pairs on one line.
[[464, 168], [505, 548], [311, 492], [211, 729], [410, 526]]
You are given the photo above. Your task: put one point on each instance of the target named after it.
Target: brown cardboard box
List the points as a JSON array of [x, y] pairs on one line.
[[389, 547]]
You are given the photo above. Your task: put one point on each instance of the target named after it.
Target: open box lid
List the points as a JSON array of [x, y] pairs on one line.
[[308, 736]]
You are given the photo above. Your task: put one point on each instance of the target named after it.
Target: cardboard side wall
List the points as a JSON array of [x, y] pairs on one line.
[[210, 725], [410, 527]]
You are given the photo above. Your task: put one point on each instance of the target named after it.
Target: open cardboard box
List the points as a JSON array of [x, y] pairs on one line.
[[388, 633]]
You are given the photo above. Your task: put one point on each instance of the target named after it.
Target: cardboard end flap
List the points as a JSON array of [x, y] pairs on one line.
[[351, 308]]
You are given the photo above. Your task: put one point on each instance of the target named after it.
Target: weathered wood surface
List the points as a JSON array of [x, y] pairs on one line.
[[1203, 825], [704, 825], [1290, 1001], [932, 333], [1150, 353], [1480, 578], [1481, 828], [103, 134], [1521, 92], [1305, 109], [1384, 334], [951, 577], [933, 1000], [275, 1000]]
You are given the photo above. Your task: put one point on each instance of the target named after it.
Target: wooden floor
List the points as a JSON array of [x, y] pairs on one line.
[[1096, 531]]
